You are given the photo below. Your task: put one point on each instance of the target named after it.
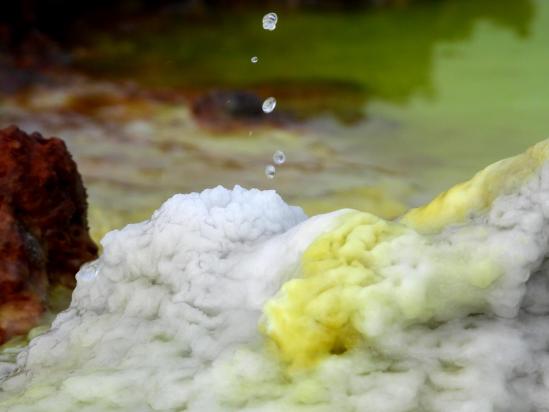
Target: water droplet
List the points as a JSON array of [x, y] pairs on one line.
[[270, 171], [254, 59], [279, 157], [269, 105], [250, 133], [269, 21], [89, 271]]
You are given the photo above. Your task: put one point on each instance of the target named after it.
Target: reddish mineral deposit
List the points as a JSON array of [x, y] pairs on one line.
[[43, 226]]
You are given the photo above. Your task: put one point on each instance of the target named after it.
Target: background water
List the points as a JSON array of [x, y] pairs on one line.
[[378, 108]]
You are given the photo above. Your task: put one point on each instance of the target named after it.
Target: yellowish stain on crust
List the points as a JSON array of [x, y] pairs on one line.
[[349, 287], [314, 316], [477, 194]]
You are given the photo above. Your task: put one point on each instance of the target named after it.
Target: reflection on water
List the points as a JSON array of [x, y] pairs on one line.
[[399, 103], [332, 61]]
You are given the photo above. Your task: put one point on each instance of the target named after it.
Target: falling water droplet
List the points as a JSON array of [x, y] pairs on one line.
[[269, 21], [279, 157], [269, 105], [254, 59], [270, 171]]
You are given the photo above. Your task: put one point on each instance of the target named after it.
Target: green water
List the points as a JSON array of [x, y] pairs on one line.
[[445, 86], [383, 53], [395, 104]]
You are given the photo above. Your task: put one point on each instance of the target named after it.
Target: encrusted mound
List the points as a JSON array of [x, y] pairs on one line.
[[43, 226], [231, 300]]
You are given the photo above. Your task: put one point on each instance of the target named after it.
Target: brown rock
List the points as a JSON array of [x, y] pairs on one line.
[[43, 226]]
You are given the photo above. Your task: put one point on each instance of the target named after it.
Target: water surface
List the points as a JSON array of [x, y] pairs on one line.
[[388, 106]]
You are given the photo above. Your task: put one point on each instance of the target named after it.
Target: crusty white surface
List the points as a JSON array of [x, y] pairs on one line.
[[170, 321], [165, 299]]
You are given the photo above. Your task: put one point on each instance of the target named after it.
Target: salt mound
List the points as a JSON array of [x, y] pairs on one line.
[[234, 301]]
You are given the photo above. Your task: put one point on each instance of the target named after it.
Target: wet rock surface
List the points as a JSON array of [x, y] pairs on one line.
[[43, 226]]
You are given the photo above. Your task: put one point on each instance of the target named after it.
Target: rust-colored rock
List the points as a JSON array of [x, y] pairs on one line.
[[43, 226]]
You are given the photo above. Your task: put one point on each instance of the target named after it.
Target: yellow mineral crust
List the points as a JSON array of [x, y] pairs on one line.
[[370, 276], [314, 315], [367, 277], [476, 195]]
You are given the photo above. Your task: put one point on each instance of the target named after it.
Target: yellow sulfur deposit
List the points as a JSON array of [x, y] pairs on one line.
[[315, 315], [370, 276], [355, 286], [476, 195]]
